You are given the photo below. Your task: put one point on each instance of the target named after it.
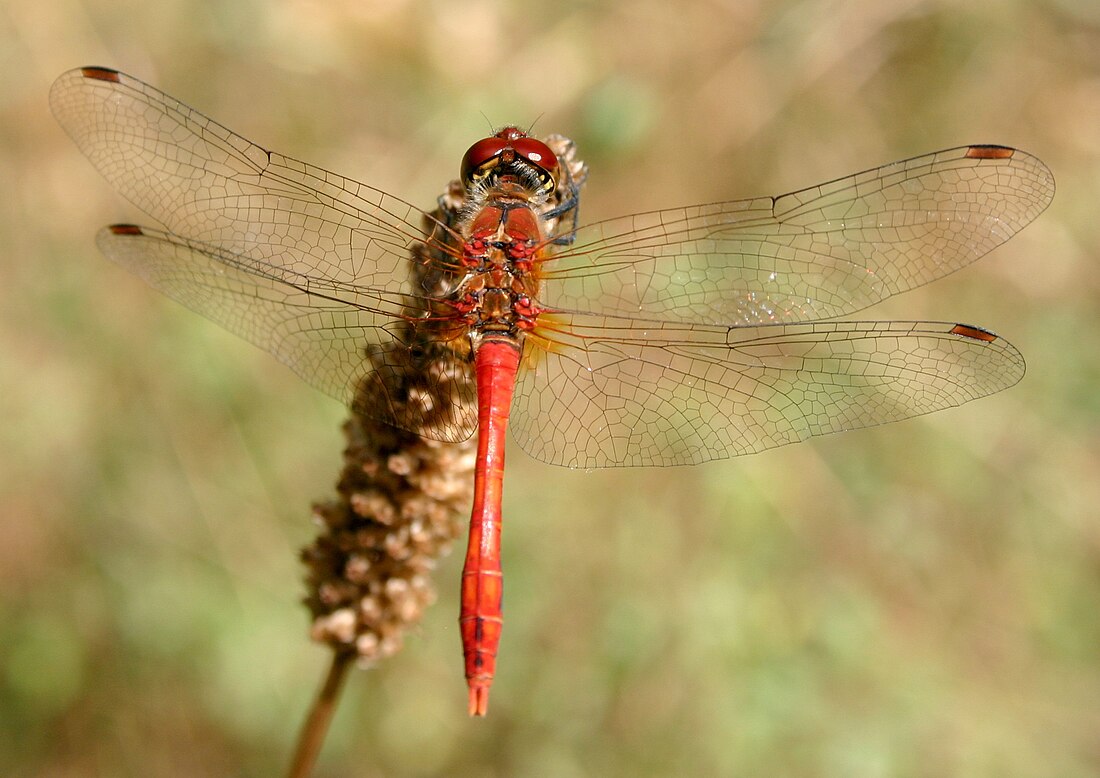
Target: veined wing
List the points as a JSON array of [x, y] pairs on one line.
[[347, 341], [205, 183], [818, 253], [607, 391]]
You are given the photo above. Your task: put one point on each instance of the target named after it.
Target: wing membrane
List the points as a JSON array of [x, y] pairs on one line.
[[601, 392], [205, 183], [818, 253], [334, 336]]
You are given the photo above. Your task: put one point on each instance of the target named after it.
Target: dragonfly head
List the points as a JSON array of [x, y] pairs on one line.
[[511, 152]]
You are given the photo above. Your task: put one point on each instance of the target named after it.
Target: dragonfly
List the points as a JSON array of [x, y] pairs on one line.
[[669, 337]]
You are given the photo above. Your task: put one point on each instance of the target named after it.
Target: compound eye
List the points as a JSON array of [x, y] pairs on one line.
[[538, 154], [504, 148], [480, 155]]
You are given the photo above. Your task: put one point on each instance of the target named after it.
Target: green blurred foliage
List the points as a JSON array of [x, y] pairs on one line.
[[915, 600]]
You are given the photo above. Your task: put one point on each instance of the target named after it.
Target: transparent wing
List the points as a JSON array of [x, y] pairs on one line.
[[335, 336], [207, 184], [600, 391], [818, 253], [315, 268]]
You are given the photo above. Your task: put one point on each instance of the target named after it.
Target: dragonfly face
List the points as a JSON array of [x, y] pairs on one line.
[[511, 153]]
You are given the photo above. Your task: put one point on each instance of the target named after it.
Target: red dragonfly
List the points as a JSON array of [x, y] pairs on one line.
[[664, 338]]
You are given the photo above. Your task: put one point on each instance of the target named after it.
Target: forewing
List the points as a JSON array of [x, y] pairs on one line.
[[348, 342], [207, 184], [818, 253], [601, 391]]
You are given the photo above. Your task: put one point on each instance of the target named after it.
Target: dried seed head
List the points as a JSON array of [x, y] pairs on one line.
[[402, 495], [366, 578]]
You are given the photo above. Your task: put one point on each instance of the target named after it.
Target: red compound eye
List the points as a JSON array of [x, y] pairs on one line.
[[480, 155], [538, 154], [503, 148]]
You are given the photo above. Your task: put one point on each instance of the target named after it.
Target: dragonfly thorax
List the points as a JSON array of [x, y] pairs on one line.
[[501, 256]]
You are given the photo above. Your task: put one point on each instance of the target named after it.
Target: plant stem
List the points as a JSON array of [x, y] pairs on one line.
[[315, 727]]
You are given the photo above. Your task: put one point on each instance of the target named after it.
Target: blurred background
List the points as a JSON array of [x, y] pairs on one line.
[[919, 599]]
